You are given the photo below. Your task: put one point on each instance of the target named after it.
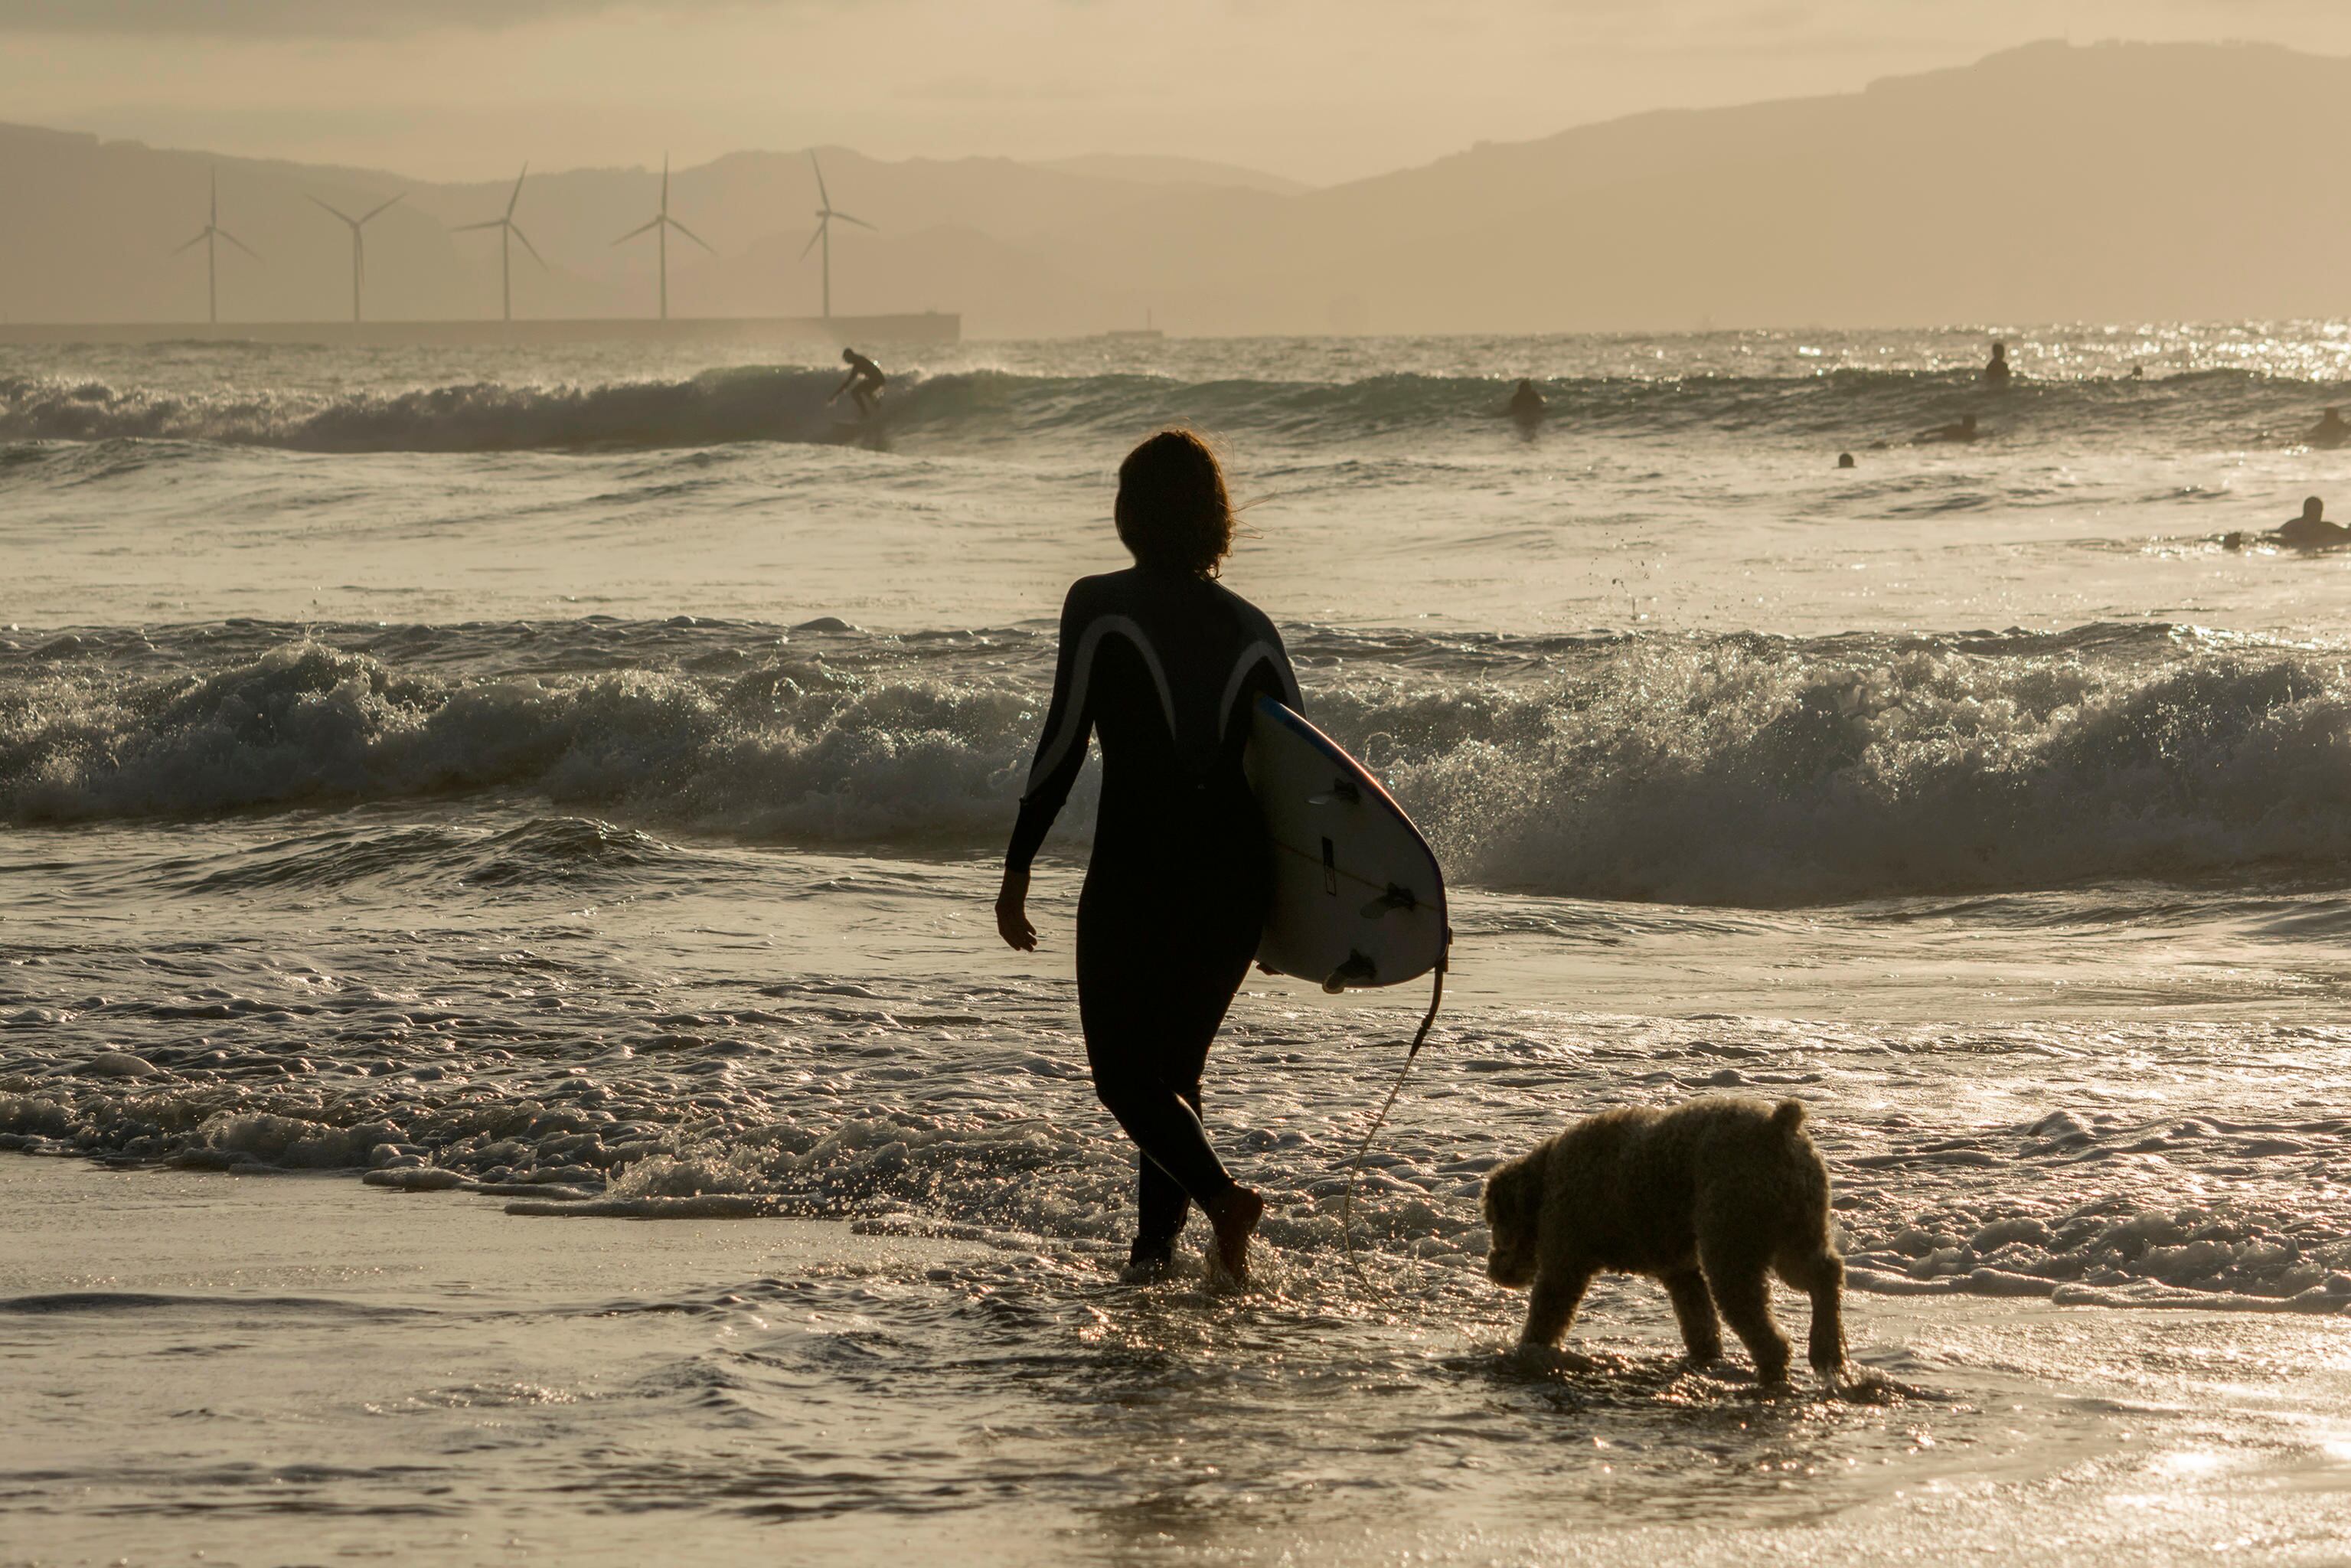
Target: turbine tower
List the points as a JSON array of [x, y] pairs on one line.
[[661, 223], [824, 216], [358, 244], [508, 231], [213, 231]]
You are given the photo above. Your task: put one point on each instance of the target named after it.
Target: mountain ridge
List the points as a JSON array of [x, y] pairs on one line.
[[2051, 181]]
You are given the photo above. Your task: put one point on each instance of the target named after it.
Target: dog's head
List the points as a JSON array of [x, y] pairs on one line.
[[1513, 1204]]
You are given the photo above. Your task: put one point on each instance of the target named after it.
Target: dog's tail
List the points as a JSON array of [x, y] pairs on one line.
[[1788, 1115]]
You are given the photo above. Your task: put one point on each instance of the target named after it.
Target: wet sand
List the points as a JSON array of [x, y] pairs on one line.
[[275, 1369]]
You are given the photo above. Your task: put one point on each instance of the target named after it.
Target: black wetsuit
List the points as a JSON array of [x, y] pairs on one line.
[[1167, 667]]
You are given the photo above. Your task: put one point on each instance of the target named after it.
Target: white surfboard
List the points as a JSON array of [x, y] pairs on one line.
[[1358, 898]]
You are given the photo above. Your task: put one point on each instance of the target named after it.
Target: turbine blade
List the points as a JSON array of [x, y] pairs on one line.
[[517, 194], [821, 197], [484, 224], [651, 223], [240, 244], [336, 210], [861, 222], [691, 235], [192, 244], [813, 238], [517, 228], [394, 202]]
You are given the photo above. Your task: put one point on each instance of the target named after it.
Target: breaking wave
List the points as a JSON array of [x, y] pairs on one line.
[[785, 403], [1737, 769]]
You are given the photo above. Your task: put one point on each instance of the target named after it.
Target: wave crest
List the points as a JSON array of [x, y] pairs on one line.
[[788, 404], [1739, 769]]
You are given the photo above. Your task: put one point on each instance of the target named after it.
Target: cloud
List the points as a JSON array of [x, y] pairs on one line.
[[266, 19]]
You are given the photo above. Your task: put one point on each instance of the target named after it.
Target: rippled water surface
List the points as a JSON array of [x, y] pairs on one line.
[[537, 798]]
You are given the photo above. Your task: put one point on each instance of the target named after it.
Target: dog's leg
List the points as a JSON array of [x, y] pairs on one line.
[[1551, 1307], [1820, 1275], [1735, 1275], [1694, 1310]]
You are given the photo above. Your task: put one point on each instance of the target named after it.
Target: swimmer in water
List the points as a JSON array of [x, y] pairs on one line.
[[1844, 460], [1527, 405], [2312, 530], [2330, 430], [862, 383], [1995, 374], [1965, 429]]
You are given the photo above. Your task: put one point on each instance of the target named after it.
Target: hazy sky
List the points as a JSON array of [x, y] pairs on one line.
[[1320, 90]]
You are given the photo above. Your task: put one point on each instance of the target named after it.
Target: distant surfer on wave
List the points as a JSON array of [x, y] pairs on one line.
[[1167, 665], [862, 383], [2330, 430], [1527, 406]]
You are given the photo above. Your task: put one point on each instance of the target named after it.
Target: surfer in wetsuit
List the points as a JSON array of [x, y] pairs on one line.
[[1996, 373], [2311, 530], [2330, 431], [1527, 406], [862, 383], [1167, 665]]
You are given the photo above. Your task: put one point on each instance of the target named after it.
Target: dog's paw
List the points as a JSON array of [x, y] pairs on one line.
[[1541, 1359]]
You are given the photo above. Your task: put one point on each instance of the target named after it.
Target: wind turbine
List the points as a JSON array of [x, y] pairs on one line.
[[211, 232], [661, 223], [358, 244], [824, 216], [509, 230]]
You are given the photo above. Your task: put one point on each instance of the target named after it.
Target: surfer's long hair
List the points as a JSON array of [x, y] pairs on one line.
[[1173, 509]]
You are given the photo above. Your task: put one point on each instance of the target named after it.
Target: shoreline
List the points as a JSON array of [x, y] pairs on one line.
[[230, 1364]]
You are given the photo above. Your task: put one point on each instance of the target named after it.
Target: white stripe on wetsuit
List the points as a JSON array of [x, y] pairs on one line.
[[1102, 626], [1250, 656]]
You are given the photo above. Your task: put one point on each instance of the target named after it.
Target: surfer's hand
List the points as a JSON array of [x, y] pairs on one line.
[[1012, 913]]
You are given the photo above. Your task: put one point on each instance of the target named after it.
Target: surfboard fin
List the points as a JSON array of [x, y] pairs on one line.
[[1357, 971], [1395, 898]]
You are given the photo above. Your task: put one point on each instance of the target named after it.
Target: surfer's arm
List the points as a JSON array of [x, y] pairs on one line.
[[1060, 750]]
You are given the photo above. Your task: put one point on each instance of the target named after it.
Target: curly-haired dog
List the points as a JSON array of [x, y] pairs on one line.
[[1704, 1197]]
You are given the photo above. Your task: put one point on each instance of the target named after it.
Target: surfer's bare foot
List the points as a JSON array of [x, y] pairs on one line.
[[1235, 1217]]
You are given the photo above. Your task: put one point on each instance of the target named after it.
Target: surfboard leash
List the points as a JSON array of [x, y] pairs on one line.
[[1355, 1166]]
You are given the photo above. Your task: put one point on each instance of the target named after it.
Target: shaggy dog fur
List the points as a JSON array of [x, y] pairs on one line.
[[1705, 1198]]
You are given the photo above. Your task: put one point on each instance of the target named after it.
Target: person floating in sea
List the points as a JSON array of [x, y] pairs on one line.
[[1844, 460], [863, 382], [2309, 531], [1527, 406], [1167, 665], [1965, 429], [1995, 374], [2330, 431]]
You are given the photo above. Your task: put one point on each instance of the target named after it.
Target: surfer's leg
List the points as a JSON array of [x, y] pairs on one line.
[[1155, 977], [1161, 1207], [1130, 1082], [1149, 1009]]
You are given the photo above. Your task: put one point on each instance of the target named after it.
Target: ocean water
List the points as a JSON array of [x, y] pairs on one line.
[[571, 783]]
